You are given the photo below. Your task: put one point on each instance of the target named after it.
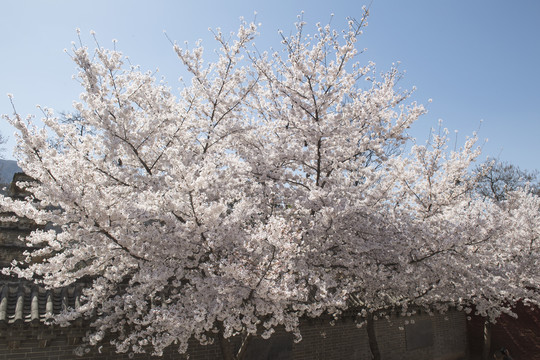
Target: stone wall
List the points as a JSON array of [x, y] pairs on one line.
[[423, 336], [442, 337]]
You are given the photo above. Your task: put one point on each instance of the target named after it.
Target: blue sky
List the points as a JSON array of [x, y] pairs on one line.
[[479, 60]]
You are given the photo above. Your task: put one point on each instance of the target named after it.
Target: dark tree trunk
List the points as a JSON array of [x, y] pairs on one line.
[[373, 345], [228, 351], [226, 347], [486, 349], [241, 354]]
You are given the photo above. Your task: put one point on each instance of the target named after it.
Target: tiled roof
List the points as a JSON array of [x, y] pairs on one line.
[[28, 303]]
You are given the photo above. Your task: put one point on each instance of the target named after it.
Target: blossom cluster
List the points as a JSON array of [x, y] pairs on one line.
[[274, 186]]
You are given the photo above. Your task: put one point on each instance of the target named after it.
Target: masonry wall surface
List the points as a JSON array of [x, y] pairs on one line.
[[320, 341], [449, 339]]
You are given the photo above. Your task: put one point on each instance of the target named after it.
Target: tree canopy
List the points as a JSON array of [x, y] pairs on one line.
[[267, 190], [497, 178]]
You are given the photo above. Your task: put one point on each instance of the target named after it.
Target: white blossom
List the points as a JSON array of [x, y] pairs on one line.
[[272, 187]]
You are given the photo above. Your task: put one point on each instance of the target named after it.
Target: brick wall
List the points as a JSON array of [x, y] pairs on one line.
[[448, 337], [320, 341], [45, 343]]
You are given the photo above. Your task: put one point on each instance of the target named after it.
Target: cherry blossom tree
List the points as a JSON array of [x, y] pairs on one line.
[[269, 189], [499, 182]]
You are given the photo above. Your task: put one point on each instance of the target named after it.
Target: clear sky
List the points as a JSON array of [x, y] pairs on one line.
[[479, 60]]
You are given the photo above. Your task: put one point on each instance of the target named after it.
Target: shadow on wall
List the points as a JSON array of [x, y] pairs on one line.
[[520, 336]]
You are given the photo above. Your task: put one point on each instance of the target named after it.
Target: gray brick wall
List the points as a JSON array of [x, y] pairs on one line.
[[448, 331], [320, 341]]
